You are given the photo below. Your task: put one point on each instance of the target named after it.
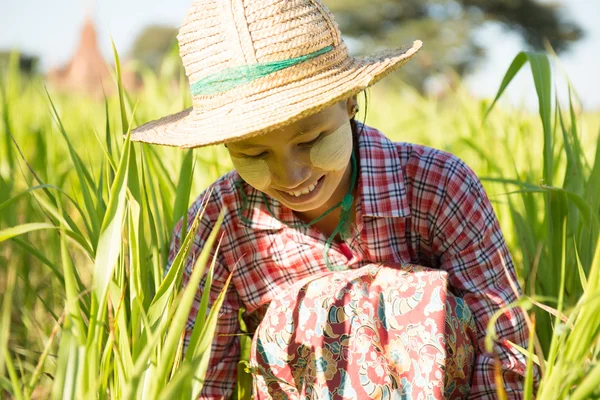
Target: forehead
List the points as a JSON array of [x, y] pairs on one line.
[[308, 124]]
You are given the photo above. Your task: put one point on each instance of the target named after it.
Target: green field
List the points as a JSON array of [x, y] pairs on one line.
[[86, 218]]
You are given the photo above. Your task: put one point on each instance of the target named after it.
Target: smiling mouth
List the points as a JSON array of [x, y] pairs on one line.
[[305, 193]]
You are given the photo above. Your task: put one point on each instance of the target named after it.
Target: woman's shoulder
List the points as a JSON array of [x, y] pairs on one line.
[[417, 161], [220, 196], [437, 177], [418, 158]]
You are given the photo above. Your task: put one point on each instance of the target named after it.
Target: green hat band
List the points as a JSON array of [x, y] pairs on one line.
[[236, 76]]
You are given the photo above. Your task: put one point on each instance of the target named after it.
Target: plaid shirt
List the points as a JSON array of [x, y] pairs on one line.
[[415, 205]]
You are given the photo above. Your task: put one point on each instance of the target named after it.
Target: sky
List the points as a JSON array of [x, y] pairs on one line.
[[50, 30]]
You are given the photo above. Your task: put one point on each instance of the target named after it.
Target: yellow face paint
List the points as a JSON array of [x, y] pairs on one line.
[[333, 151], [254, 171]]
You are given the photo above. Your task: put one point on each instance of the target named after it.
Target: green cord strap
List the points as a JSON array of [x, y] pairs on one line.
[[232, 77], [342, 228]]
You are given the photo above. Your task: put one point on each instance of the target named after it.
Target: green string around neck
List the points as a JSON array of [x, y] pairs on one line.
[[342, 228], [230, 78]]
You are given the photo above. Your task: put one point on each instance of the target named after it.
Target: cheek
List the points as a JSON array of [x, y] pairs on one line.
[[333, 151], [254, 172]]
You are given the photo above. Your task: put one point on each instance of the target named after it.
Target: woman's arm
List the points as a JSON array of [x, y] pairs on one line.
[[225, 351], [473, 251]]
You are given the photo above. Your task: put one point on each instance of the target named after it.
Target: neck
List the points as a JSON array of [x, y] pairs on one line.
[[330, 221]]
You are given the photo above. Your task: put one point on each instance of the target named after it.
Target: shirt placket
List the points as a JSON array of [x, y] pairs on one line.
[[339, 253], [348, 252]]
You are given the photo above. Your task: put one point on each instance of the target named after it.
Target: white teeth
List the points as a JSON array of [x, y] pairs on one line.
[[304, 191]]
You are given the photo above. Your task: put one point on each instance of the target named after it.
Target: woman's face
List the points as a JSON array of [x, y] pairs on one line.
[[304, 165]]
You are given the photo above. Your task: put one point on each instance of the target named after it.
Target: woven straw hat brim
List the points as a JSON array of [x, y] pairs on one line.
[[260, 112]]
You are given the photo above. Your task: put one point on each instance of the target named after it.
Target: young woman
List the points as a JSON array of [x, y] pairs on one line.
[[374, 266]]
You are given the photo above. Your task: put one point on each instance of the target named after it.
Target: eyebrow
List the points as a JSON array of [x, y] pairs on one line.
[[302, 131]]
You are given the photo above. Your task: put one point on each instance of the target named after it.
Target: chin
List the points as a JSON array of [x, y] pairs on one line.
[[309, 206], [302, 207]]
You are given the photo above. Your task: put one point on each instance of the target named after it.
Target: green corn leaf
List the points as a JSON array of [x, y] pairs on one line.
[[9, 233], [72, 231], [556, 339], [65, 381], [244, 378], [42, 258], [24, 194], [526, 352], [5, 324], [72, 290], [201, 314], [123, 113], [84, 177], [582, 277], [15, 385], [145, 363], [203, 347], [542, 76], [136, 287], [183, 308], [159, 303], [588, 216], [41, 361], [184, 188], [121, 329], [109, 244], [203, 306], [157, 231], [515, 67], [107, 155], [589, 386], [179, 386], [558, 200], [106, 366]]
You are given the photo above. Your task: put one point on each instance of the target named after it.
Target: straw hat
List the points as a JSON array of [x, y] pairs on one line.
[[257, 65]]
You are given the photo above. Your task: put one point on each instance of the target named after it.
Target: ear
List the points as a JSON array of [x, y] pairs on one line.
[[352, 106]]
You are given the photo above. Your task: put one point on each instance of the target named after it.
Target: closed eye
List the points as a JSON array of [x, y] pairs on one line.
[[260, 155], [315, 140]]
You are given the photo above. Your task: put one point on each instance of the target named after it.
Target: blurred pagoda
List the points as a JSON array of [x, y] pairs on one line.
[[88, 72]]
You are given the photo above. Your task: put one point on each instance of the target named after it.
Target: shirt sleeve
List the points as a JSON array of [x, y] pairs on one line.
[[225, 350], [474, 253]]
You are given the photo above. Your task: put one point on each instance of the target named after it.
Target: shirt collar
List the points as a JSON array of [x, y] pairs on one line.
[[381, 187]]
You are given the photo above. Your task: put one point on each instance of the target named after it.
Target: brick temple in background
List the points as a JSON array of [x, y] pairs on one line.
[[88, 72]]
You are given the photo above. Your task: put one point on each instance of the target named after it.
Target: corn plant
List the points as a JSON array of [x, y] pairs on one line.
[[558, 233], [120, 331]]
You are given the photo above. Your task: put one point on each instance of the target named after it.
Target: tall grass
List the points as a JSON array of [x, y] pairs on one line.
[[86, 218], [565, 270], [89, 232]]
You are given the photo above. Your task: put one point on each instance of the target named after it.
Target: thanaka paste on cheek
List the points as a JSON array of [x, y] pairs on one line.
[[333, 151], [254, 171]]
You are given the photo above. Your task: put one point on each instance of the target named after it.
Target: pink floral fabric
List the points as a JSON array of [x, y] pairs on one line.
[[380, 332]]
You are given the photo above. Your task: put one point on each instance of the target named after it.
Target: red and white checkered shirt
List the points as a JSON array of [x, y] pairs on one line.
[[415, 205]]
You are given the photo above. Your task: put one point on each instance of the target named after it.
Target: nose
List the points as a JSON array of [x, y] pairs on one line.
[[289, 172]]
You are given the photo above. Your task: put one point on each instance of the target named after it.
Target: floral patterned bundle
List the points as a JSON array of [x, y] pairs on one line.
[[383, 332]]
